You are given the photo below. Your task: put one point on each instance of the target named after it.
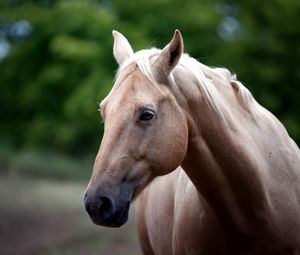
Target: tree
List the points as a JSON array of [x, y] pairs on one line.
[[62, 65], [52, 80]]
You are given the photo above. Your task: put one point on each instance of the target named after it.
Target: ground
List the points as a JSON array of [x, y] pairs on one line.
[[47, 217]]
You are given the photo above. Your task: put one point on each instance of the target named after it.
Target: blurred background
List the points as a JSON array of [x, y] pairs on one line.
[[56, 65]]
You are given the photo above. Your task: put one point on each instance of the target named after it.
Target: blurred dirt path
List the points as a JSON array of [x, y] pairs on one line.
[[47, 217]]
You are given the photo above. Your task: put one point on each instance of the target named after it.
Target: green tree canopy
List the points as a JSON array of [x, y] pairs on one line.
[[60, 60]]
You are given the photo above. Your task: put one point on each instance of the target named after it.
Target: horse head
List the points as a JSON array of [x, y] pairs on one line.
[[145, 131]]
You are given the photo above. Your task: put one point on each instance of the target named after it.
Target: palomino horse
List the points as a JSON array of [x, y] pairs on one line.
[[238, 191]]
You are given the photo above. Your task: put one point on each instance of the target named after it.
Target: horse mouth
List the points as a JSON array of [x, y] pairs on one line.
[[118, 219], [123, 216]]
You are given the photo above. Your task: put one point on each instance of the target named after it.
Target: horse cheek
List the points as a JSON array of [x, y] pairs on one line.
[[170, 149]]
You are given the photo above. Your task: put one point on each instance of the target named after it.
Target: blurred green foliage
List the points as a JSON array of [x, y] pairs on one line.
[[60, 62], [41, 164]]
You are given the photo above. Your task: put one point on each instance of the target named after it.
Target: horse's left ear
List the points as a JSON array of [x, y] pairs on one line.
[[170, 56], [122, 48]]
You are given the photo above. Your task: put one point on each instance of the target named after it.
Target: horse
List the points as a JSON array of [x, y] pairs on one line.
[[213, 171]]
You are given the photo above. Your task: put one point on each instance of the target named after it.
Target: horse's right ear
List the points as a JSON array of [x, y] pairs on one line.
[[122, 49]]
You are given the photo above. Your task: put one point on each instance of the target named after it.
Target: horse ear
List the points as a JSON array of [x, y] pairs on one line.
[[122, 49], [170, 56]]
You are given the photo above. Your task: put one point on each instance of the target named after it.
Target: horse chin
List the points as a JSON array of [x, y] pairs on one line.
[[140, 188]]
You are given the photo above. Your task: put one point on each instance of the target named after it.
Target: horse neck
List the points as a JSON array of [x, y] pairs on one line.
[[220, 159]]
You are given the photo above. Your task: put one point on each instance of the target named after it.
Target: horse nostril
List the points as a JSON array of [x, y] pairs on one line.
[[101, 209], [105, 208]]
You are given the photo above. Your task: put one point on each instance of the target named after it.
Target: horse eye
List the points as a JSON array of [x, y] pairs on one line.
[[147, 115]]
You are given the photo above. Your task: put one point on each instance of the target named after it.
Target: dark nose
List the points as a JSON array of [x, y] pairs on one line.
[[101, 209]]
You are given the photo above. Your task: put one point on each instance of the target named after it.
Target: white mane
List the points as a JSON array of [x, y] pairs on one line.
[[195, 68]]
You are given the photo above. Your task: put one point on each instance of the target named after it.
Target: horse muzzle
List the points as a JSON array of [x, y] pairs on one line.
[[104, 210]]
